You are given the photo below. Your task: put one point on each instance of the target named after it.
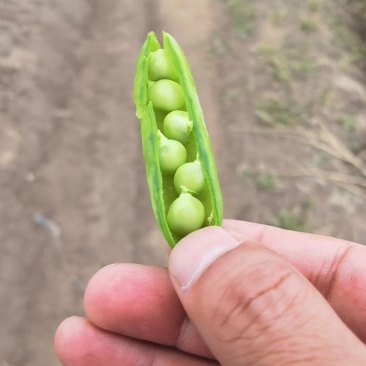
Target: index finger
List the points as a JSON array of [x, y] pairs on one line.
[[337, 268]]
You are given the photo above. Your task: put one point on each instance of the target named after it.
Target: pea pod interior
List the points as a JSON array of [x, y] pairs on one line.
[[151, 109]]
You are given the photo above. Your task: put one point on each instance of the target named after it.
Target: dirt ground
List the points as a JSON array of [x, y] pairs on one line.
[[73, 194]]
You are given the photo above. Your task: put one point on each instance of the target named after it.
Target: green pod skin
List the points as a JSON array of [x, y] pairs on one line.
[[151, 110], [177, 126]]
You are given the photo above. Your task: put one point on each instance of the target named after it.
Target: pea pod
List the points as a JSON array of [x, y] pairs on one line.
[[158, 93]]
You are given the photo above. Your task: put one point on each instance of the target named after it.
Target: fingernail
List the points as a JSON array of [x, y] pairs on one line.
[[197, 251]]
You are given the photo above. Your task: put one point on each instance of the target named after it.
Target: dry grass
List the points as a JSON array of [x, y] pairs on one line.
[[325, 140]]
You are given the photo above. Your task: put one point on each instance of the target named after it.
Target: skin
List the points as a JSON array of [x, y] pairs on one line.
[[231, 314]]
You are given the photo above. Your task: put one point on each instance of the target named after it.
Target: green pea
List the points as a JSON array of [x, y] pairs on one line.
[[177, 126], [172, 154], [185, 215], [189, 177], [161, 66], [166, 95]]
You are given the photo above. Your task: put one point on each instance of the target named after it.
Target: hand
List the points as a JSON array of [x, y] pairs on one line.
[[247, 294]]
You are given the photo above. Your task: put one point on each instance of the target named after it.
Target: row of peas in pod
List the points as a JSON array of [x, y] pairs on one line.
[[178, 159], [180, 166]]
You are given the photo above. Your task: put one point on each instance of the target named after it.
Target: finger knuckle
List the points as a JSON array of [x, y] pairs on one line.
[[255, 303]]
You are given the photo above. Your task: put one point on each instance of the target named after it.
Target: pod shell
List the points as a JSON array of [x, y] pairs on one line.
[[150, 142]]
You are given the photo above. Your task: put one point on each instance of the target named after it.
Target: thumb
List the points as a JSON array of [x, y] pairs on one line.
[[254, 308]]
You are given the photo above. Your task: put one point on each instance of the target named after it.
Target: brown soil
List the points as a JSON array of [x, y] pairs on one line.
[[72, 183]]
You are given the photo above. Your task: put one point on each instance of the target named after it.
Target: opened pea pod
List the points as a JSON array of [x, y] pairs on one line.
[[180, 166]]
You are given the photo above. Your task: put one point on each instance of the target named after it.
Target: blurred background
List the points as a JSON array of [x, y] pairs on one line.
[[282, 85]]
